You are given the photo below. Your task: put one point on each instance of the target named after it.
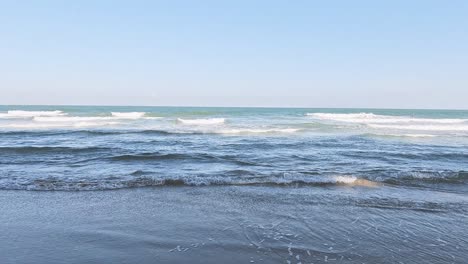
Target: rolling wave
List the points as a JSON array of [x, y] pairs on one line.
[[423, 127], [400, 123], [128, 115], [373, 118], [139, 179], [237, 177], [23, 114], [204, 121]]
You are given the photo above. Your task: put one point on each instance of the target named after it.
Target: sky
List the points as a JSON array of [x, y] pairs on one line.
[[376, 54]]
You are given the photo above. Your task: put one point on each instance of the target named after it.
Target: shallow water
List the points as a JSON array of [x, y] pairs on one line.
[[234, 224]]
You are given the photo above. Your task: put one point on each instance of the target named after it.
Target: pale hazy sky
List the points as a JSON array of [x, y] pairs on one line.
[[397, 54]]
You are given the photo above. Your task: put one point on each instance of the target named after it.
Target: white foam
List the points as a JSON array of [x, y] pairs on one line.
[[128, 115], [71, 118], [369, 118], [463, 128], [345, 179], [207, 121], [400, 123], [47, 125], [94, 124], [21, 113]]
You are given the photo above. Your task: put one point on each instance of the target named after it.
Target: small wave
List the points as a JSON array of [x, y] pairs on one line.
[[445, 128], [143, 179], [128, 115], [373, 118], [399, 123], [402, 135], [21, 113], [71, 118], [160, 156], [57, 125], [256, 131], [206, 121], [236, 177]]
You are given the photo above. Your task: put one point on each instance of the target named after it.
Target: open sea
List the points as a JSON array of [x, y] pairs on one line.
[[272, 185]]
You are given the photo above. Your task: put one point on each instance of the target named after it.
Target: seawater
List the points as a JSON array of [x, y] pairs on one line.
[[74, 148]]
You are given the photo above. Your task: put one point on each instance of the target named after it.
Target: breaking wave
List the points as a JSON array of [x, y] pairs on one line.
[[140, 179], [373, 118], [205, 121], [128, 115], [386, 122], [256, 131], [232, 178], [23, 114]]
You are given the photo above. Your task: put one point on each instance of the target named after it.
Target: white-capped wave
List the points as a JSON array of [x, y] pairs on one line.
[[128, 115], [22, 113], [49, 125], [399, 123], [366, 118], [71, 118], [443, 128], [205, 121]]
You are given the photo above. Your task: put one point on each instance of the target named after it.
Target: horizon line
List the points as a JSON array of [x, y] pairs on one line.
[[264, 107]]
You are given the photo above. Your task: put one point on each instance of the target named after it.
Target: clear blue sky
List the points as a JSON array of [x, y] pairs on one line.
[[397, 54]]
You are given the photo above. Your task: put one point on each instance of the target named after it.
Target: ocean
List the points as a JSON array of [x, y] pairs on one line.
[[232, 185]]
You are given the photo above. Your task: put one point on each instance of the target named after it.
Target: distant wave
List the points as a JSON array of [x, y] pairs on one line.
[[423, 127], [129, 115], [256, 131], [21, 113], [373, 118], [72, 118], [46, 149], [401, 135], [205, 121], [58, 125], [396, 122]]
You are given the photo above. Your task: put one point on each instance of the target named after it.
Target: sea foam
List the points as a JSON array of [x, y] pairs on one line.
[[387, 122], [206, 121], [373, 118], [21, 113], [128, 115]]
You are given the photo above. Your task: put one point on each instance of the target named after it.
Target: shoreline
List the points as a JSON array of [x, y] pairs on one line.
[[231, 224]]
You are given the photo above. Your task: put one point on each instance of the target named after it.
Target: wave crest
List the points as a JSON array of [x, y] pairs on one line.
[[400, 123], [24, 114], [128, 115], [204, 121]]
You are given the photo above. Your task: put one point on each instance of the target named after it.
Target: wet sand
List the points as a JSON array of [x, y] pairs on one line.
[[234, 224]]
